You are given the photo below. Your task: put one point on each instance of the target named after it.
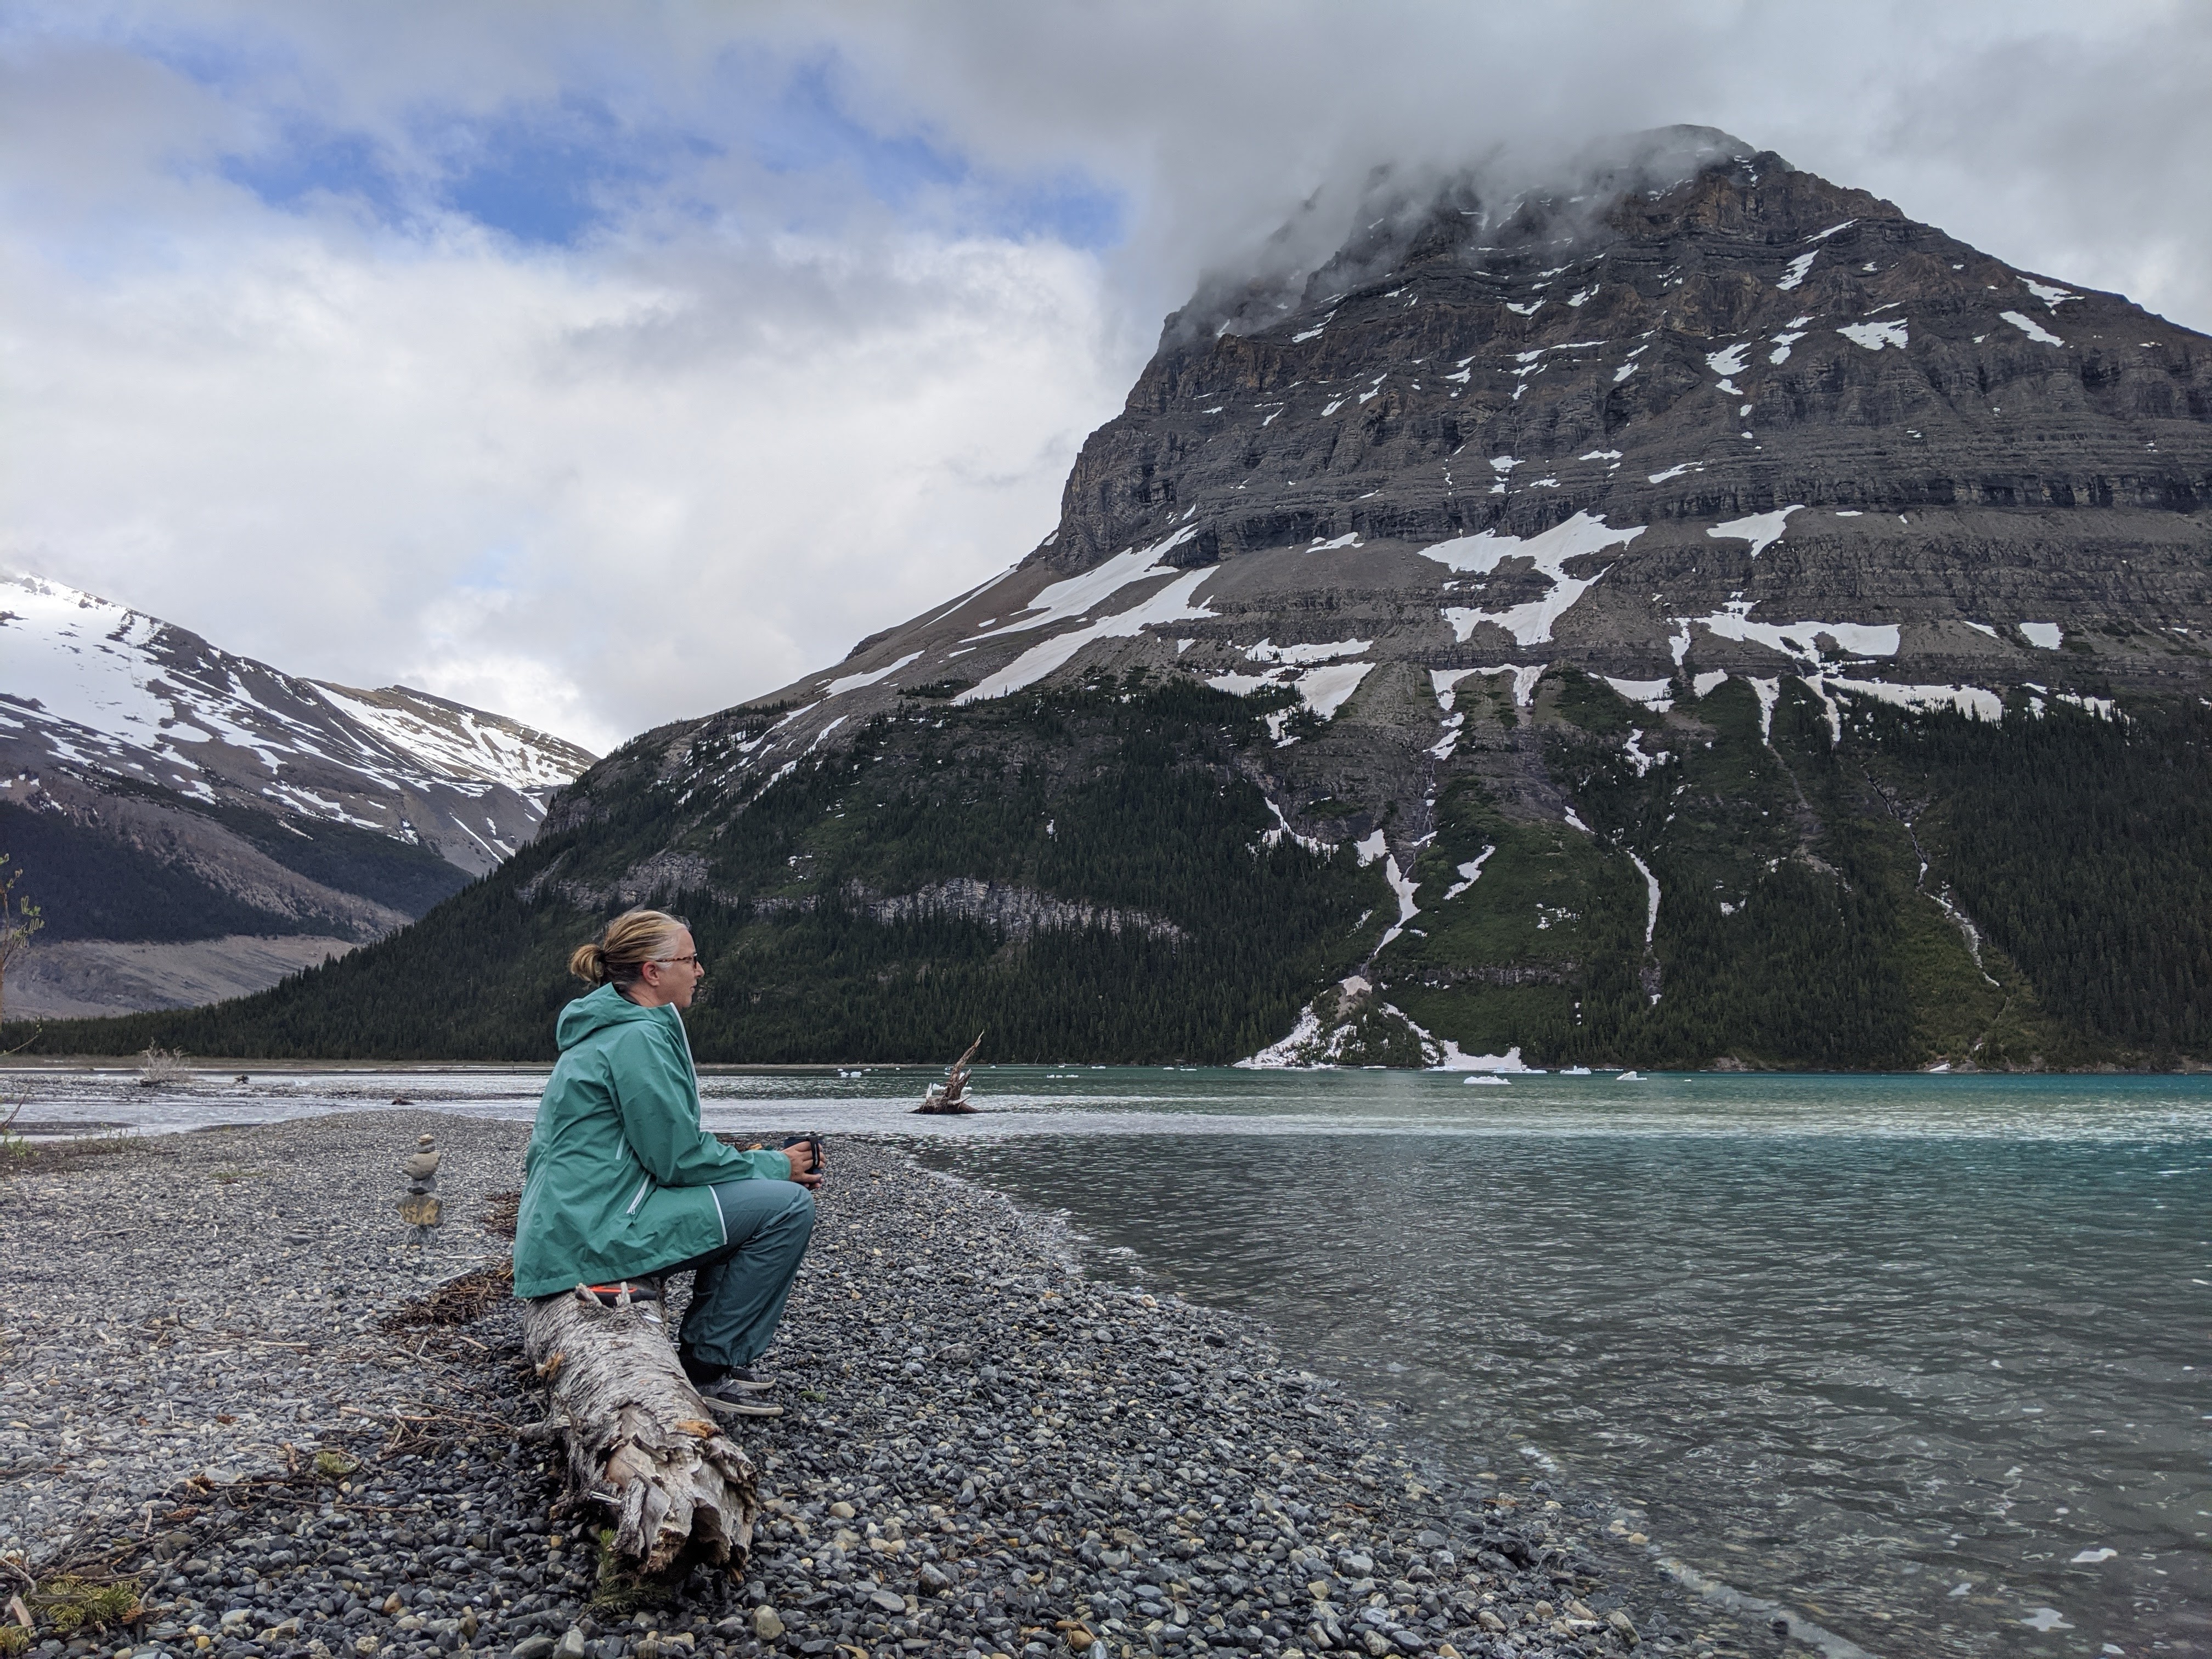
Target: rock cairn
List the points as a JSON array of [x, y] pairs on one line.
[[420, 1206]]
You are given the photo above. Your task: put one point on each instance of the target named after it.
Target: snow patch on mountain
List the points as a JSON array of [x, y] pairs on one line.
[[1530, 623], [1761, 530]]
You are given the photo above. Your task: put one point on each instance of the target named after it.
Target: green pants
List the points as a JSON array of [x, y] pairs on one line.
[[737, 1290]]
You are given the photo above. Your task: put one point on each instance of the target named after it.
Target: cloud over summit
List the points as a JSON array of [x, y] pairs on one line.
[[604, 365]]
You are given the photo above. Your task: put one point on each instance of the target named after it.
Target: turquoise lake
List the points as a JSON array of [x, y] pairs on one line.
[[1924, 1361]]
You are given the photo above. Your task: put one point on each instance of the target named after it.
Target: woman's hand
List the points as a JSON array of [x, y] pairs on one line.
[[804, 1169]]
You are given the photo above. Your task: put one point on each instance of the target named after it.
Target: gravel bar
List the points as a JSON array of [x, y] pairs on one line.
[[208, 1386]]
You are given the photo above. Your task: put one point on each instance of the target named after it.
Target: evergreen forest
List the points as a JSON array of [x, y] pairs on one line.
[[1854, 886]]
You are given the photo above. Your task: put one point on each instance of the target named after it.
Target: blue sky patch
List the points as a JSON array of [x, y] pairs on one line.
[[315, 159]]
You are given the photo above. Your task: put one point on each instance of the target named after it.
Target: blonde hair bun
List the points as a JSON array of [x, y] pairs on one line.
[[624, 945]]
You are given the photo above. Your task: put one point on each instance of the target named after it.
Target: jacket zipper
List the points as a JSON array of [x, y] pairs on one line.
[[643, 1187]]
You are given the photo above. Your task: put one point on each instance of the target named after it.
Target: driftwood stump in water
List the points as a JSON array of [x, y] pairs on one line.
[[950, 1097], [641, 1443]]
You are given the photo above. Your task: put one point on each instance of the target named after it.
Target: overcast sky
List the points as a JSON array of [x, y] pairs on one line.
[[604, 364]]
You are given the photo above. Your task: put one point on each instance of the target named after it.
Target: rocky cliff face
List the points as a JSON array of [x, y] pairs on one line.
[[1704, 428], [1694, 614], [225, 820], [1754, 424]]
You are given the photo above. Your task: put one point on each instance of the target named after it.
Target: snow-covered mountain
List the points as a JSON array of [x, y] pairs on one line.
[[174, 794]]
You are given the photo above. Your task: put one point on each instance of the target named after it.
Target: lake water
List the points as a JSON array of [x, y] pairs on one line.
[[1922, 1360]]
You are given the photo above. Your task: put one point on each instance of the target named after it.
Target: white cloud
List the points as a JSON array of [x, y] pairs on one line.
[[821, 361]]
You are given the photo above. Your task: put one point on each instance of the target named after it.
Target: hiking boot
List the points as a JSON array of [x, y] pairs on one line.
[[734, 1399]]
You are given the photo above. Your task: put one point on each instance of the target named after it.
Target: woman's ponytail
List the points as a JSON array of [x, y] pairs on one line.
[[618, 956]]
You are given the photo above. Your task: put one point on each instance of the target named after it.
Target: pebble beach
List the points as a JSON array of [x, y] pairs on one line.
[[232, 1394]]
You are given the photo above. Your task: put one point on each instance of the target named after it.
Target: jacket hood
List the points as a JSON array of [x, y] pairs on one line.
[[594, 1012]]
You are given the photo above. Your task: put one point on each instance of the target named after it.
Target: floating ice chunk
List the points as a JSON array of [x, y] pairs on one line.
[[1981, 627], [1761, 530], [1469, 873], [1708, 682], [1890, 332], [2051, 296], [2033, 329], [2046, 1619], [2090, 1558], [854, 682], [1652, 693], [2045, 636], [1267, 652], [1798, 267]]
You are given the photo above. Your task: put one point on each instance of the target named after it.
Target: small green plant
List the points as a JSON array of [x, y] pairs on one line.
[[16, 1151], [68, 1605], [620, 1588]]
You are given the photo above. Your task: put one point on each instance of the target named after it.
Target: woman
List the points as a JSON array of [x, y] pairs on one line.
[[621, 1182]]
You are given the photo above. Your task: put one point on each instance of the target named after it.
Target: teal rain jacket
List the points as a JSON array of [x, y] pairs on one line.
[[617, 1182]]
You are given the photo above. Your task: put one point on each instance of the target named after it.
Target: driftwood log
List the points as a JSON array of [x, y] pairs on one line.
[[950, 1097], [641, 1444]]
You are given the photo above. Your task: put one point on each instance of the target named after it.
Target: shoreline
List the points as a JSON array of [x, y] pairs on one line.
[[200, 1343], [218, 1067]]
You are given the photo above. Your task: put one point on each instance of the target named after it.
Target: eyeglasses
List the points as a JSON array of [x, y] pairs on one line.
[[693, 959]]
